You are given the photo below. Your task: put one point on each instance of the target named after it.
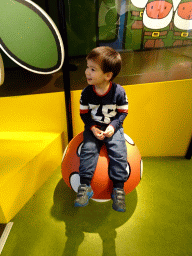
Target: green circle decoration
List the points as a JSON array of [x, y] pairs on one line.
[[29, 37]]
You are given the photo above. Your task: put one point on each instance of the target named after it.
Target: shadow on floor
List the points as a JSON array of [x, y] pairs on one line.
[[95, 218]]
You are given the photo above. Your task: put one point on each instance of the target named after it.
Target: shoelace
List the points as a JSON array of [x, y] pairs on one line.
[[120, 194], [81, 191]]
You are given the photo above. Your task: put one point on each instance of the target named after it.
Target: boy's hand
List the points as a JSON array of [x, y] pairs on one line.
[[109, 131], [98, 133]]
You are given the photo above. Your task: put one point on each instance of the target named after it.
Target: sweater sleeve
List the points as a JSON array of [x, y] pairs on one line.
[[85, 112], [122, 109]]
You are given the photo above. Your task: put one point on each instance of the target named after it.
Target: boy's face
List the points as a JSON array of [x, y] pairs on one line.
[[95, 75]]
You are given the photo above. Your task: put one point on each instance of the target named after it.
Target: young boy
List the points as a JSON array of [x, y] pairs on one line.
[[103, 108]]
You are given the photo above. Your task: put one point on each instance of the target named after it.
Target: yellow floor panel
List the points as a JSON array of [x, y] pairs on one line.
[[27, 160]]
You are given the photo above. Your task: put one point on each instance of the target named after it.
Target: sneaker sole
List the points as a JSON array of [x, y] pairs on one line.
[[118, 209], [90, 194]]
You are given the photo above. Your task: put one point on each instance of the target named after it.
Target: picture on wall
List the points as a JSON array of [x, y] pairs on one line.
[[142, 24], [128, 24]]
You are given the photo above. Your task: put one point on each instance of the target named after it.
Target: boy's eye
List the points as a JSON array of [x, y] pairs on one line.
[[92, 69]]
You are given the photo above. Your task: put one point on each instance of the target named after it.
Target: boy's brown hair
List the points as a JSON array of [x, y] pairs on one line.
[[108, 59]]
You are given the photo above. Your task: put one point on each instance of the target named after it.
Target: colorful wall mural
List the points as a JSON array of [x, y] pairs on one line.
[[129, 24], [142, 24]]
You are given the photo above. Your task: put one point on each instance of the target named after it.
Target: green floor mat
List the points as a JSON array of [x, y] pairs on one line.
[[157, 221]]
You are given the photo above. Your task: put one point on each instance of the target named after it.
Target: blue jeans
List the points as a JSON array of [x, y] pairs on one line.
[[117, 152]]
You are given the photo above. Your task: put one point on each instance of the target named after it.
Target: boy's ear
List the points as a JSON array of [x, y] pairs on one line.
[[109, 75]]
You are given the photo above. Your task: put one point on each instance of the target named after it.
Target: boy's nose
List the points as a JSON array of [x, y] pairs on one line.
[[86, 72]]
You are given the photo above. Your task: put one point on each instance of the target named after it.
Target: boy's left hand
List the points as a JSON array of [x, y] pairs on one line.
[[109, 131]]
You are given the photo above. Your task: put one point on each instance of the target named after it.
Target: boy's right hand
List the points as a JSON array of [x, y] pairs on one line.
[[98, 133]]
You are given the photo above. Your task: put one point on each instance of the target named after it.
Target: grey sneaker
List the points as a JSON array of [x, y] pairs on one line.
[[83, 195], [118, 197]]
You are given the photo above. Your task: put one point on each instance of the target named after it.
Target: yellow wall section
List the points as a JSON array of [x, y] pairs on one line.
[[160, 117], [40, 112]]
